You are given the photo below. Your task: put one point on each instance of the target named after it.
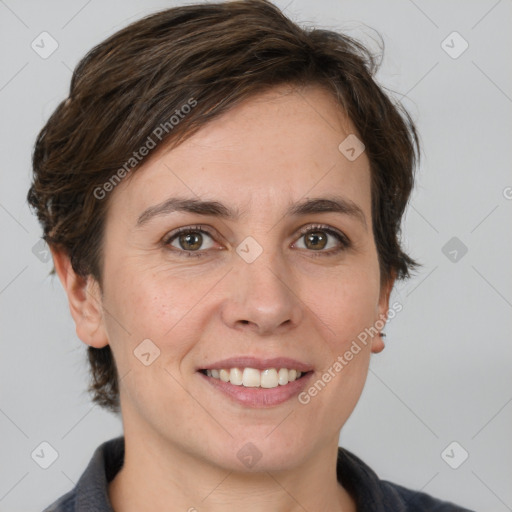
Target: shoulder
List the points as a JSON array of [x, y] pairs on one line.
[[375, 495], [91, 490], [416, 501]]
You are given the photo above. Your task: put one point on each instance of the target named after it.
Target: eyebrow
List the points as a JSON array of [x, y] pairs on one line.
[[330, 204]]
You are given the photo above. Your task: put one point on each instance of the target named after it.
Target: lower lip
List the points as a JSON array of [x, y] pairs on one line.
[[260, 397]]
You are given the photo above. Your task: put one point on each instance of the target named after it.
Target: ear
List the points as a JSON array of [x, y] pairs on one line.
[[85, 302], [383, 308]]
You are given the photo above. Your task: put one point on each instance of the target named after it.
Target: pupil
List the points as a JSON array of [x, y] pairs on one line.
[[188, 239], [315, 238]]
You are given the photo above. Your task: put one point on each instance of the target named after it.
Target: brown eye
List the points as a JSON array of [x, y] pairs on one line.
[[188, 240], [318, 238], [315, 240]]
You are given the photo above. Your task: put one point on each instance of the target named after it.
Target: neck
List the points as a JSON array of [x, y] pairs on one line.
[[156, 477]]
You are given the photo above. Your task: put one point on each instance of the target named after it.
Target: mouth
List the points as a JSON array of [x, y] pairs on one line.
[[258, 383], [268, 378]]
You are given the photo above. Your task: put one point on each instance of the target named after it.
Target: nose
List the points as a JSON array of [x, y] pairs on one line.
[[262, 296]]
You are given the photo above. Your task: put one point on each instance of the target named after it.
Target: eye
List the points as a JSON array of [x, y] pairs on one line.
[[316, 239], [189, 240], [194, 241]]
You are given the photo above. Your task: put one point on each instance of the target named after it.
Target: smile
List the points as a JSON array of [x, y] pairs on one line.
[[254, 378]]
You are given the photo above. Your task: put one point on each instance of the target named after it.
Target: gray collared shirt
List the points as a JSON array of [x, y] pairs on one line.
[[370, 493]]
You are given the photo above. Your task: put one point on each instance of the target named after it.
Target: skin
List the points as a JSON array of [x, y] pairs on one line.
[[182, 435]]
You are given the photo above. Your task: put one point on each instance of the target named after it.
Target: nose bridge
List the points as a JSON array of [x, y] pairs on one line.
[[262, 288], [261, 268]]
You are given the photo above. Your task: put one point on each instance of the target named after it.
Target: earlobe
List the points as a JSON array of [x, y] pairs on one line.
[[377, 344], [84, 298]]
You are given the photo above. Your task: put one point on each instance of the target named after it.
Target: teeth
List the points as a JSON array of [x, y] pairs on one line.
[[235, 377], [253, 378], [269, 378], [282, 376]]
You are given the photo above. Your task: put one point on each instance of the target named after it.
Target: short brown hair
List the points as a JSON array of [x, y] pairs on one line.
[[217, 55]]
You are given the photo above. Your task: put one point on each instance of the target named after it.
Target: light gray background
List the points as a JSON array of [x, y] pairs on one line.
[[445, 374]]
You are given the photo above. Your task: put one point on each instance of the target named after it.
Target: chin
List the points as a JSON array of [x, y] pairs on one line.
[[261, 453]]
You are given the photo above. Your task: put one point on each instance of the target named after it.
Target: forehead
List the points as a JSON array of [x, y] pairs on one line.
[[279, 146]]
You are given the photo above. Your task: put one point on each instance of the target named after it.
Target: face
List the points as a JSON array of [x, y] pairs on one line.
[[259, 278]]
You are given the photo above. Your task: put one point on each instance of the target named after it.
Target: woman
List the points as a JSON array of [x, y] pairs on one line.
[[222, 193]]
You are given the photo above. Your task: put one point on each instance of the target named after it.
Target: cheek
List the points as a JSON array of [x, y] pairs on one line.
[[345, 309], [157, 306], [146, 302], [345, 302], [345, 306], [150, 333]]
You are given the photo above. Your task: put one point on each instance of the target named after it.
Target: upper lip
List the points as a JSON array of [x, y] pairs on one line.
[[259, 364]]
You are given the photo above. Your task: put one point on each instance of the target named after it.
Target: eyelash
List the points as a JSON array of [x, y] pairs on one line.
[[344, 241]]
